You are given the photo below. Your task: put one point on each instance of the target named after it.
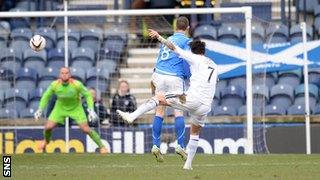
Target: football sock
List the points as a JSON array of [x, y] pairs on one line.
[[96, 138], [180, 129], [156, 130], [192, 148], [47, 135]]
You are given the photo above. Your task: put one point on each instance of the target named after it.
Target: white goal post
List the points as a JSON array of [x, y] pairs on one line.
[[247, 11]]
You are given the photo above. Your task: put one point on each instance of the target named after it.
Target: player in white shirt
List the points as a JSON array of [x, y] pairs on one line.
[[198, 97]]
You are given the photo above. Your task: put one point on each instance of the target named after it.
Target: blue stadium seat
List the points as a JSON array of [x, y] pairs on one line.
[[292, 78], [267, 79], [6, 74], [26, 79], [36, 94], [310, 4], [27, 113], [49, 34], [5, 84], [8, 113], [104, 53], [296, 109], [229, 34], [317, 18], [4, 36], [232, 96], [107, 64], [296, 33], [282, 95], [78, 74], [19, 22], [11, 58], [314, 76], [313, 90], [55, 58], [224, 111], [274, 110], [82, 58], [33, 59], [73, 39], [238, 81], [98, 78], [34, 104], [242, 111], [115, 33], [91, 38], [277, 34], [21, 37], [257, 34], [47, 76], [114, 45], [206, 32], [16, 98], [260, 93]]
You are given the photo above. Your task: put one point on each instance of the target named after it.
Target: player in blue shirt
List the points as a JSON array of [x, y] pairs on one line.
[[168, 78]]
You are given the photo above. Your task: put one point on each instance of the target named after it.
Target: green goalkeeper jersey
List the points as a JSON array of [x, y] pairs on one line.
[[68, 94]]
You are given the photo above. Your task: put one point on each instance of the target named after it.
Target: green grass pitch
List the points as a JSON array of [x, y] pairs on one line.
[[127, 167]]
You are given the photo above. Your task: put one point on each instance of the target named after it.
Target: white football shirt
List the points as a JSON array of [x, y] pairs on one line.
[[204, 74]]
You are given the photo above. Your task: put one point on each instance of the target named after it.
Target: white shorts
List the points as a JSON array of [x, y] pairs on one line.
[[197, 110], [168, 84]]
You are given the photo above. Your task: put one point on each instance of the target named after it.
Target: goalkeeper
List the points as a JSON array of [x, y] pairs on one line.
[[68, 104]]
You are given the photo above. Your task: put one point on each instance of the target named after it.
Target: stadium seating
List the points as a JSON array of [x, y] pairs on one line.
[[296, 109], [238, 81], [19, 22], [282, 95], [33, 59], [224, 111], [20, 38], [271, 110], [27, 113], [78, 74], [73, 39], [47, 76], [296, 33], [55, 58], [98, 78], [8, 113], [260, 95], [1, 97], [257, 34], [277, 34], [108, 64], [232, 96], [292, 78], [268, 79], [313, 95], [242, 111], [82, 58], [11, 59], [206, 32], [26, 79], [5, 84], [6, 74], [91, 38], [16, 98], [314, 76], [229, 34]]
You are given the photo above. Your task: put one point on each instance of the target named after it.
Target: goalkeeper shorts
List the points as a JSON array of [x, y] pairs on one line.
[[59, 114]]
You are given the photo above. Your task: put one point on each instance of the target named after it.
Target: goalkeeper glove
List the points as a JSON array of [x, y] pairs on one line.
[[38, 114], [92, 116]]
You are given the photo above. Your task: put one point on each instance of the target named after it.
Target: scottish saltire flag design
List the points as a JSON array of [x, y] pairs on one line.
[[273, 57]]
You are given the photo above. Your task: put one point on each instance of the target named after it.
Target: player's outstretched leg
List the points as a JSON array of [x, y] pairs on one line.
[[143, 108], [94, 136], [47, 134]]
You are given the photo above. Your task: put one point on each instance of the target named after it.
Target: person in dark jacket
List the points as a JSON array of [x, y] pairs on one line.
[[124, 101]]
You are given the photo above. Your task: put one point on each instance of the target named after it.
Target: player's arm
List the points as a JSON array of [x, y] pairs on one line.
[[185, 54], [46, 96], [86, 94], [44, 100]]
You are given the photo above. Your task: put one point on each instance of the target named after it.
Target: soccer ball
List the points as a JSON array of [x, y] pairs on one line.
[[37, 43]]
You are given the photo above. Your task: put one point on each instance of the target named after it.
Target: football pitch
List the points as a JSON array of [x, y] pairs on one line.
[[127, 167]]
